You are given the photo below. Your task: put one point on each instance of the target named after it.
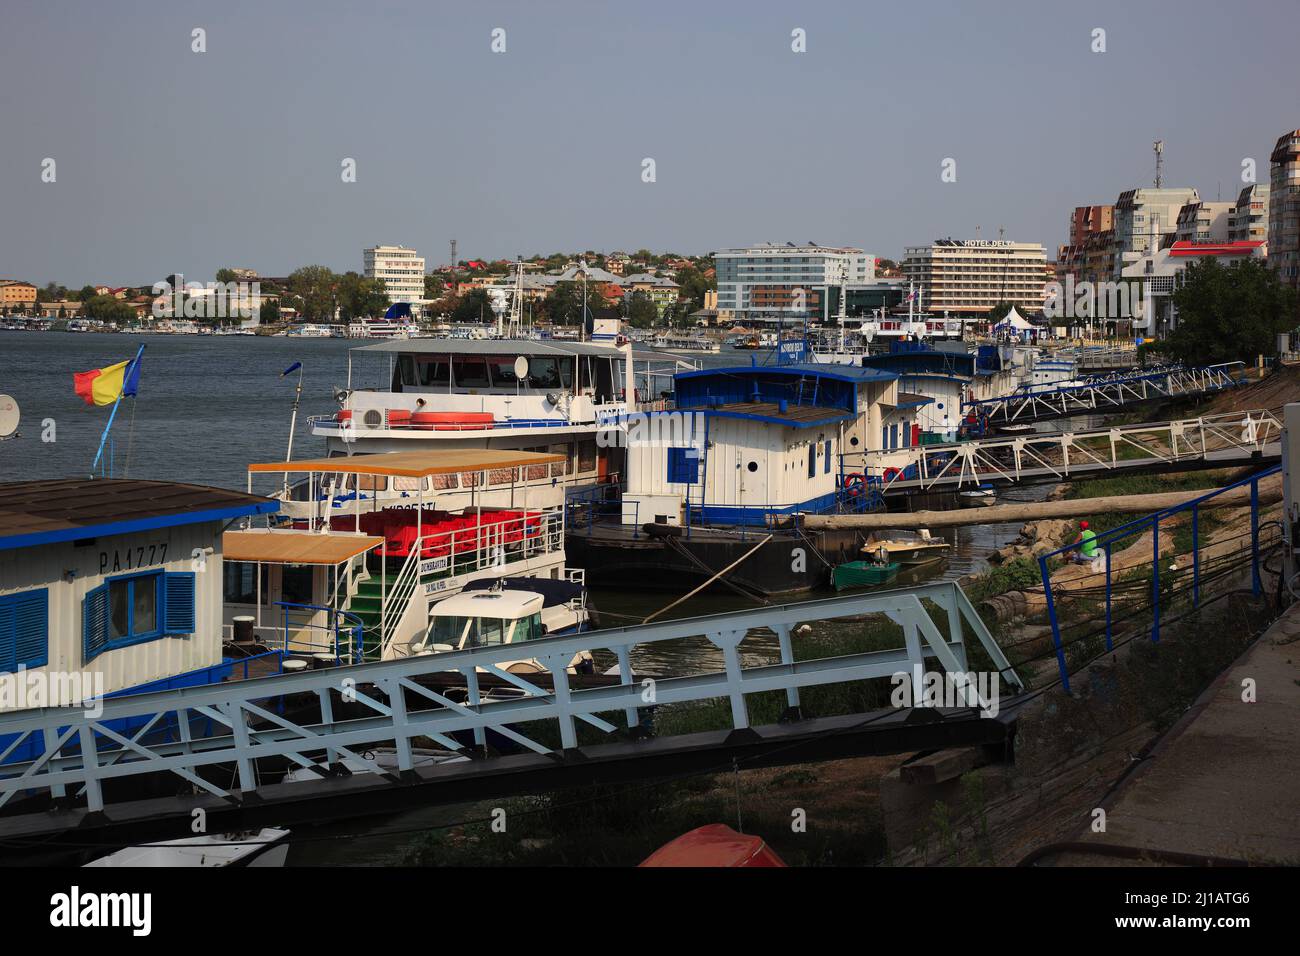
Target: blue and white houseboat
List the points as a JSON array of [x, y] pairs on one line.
[[741, 451]]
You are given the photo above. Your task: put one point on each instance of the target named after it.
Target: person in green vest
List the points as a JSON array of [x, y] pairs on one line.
[[1087, 544]]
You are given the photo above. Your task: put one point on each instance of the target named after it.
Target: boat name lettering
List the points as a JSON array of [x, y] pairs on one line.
[[130, 559]]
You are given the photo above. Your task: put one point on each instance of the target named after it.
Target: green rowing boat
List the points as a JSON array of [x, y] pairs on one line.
[[859, 574]]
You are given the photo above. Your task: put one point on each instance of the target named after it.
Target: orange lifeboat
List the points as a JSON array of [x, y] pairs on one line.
[[453, 421]]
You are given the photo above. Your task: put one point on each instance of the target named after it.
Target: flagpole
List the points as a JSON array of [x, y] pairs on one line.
[[126, 377], [293, 419]]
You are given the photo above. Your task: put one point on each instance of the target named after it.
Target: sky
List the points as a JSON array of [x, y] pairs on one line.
[[170, 160]]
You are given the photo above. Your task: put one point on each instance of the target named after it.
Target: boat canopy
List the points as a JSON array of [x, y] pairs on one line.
[[490, 347], [295, 547], [413, 464]]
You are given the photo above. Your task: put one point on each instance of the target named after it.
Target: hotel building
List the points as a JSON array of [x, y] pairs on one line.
[[770, 282], [970, 276], [1284, 208], [402, 272], [15, 294]]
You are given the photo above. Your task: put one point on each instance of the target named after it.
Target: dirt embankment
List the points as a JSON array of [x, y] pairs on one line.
[[1280, 386]]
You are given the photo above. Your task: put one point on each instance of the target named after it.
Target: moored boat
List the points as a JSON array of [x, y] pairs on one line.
[[905, 547], [861, 574]]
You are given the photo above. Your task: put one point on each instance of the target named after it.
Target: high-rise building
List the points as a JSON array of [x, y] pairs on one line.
[[970, 276], [1284, 208], [1091, 232], [769, 282], [1202, 221], [402, 272], [1248, 221], [1145, 220]]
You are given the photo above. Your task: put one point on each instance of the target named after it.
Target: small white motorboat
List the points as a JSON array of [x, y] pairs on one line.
[[905, 547], [267, 848]]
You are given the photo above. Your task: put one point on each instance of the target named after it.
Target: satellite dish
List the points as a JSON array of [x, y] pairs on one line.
[[8, 417], [521, 367]]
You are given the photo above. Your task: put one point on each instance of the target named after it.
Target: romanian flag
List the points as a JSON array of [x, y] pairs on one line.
[[103, 386]]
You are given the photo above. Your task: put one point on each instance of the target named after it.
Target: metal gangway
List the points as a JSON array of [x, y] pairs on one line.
[[1210, 441], [1105, 394], [223, 740]]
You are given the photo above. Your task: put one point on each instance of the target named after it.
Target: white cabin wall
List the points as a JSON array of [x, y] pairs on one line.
[[48, 566]]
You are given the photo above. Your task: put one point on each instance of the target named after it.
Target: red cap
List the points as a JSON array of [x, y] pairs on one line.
[[1083, 524]]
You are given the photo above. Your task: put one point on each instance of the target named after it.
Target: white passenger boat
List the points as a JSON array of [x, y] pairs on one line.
[[261, 848]]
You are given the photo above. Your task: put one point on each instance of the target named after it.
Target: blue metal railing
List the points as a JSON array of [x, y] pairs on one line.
[[340, 623], [1106, 541]]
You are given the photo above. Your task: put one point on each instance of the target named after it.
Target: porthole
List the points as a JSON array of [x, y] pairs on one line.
[[752, 466]]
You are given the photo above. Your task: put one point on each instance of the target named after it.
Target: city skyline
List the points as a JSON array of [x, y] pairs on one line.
[[171, 160]]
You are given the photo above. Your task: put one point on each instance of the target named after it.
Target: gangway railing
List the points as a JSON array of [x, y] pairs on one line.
[[1116, 391], [340, 636], [1163, 579], [387, 704], [1213, 440]]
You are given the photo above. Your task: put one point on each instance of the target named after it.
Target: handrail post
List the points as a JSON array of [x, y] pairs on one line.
[[1056, 624], [1255, 584], [1155, 580], [1196, 557], [1109, 645]]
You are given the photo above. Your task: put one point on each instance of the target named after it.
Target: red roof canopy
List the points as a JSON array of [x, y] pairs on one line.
[[1186, 248]]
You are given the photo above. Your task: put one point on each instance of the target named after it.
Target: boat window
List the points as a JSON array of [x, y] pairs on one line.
[[470, 371], [502, 368], [372, 482], [133, 606], [604, 381], [239, 582], [403, 372], [827, 469], [407, 484], [587, 455], [561, 467], [435, 370], [296, 584], [584, 373], [450, 630], [812, 460], [528, 628], [546, 372]]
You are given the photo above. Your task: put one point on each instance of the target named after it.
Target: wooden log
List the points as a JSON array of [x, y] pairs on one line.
[[1269, 493]]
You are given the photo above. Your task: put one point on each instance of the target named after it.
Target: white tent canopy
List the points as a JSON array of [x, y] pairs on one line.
[[1014, 320]]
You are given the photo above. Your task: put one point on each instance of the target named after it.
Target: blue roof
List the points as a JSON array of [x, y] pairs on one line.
[[842, 373]]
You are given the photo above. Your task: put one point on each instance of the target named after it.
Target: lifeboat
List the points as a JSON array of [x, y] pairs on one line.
[[453, 421]]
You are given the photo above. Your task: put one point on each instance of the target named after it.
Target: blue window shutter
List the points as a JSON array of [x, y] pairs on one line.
[[683, 468], [94, 622], [32, 627], [178, 602]]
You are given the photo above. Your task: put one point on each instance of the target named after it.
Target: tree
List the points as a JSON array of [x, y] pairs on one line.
[[107, 308], [564, 304], [359, 296], [1229, 313], [433, 286], [86, 294], [312, 289], [641, 311], [693, 284], [999, 311], [473, 307], [226, 275]]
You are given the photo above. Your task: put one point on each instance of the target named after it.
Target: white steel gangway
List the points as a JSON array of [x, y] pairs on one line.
[[1211, 441], [1106, 393], [220, 739]]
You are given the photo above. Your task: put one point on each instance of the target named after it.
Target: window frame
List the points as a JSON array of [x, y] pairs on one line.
[[130, 639], [12, 601]]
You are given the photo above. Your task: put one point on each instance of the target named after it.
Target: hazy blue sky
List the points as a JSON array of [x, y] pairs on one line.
[[169, 160]]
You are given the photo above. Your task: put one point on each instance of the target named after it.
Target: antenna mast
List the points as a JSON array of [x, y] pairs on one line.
[[1159, 147]]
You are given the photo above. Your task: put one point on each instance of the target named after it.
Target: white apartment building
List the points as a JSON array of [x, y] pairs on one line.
[[1136, 211], [402, 272], [771, 281], [1249, 218], [970, 276], [1202, 221]]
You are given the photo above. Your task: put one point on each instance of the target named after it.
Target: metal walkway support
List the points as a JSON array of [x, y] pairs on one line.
[[1211, 441], [1107, 393], [191, 732]]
